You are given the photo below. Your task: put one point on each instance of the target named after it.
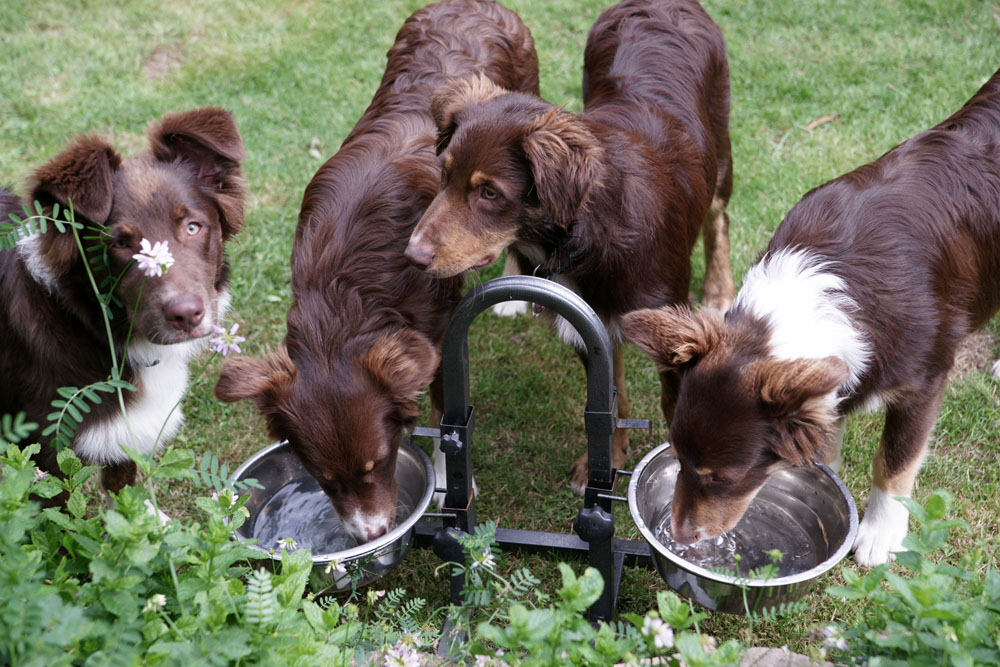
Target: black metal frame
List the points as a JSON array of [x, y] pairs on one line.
[[594, 524]]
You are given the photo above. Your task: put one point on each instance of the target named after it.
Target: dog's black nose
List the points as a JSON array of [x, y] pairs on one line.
[[419, 256], [185, 312]]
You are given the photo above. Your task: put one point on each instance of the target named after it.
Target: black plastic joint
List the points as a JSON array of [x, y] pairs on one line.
[[447, 547], [594, 524]]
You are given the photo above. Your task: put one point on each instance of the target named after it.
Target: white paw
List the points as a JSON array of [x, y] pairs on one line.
[[164, 518], [440, 475], [510, 308], [881, 531], [996, 370]]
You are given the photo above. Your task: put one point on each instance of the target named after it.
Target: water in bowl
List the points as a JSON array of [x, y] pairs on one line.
[[301, 511], [765, 526]]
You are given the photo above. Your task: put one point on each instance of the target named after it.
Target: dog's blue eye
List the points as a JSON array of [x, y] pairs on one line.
[[489, 193], [193, 228]]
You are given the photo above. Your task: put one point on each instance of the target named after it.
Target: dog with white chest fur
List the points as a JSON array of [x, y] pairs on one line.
[[184, 196], [860, 301]]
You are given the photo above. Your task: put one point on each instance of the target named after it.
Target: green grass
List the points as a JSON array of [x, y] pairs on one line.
[[295, 73]]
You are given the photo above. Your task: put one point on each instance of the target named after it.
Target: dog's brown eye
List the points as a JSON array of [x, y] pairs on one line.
[[120, 243], [193, 228], [489, 193]]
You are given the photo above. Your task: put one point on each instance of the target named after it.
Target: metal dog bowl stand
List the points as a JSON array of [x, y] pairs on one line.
[[594, 524]]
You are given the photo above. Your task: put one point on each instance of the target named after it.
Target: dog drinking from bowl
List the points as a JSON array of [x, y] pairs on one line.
[[609, 202], [365, 326], [861, 300], [186, 193]]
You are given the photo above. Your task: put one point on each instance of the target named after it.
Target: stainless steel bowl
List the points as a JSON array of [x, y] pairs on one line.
[[284, 479], [806, 513]]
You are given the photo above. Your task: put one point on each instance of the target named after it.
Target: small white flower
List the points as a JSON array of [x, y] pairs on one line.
[[40, 474], [153, 260], [223, 341], [401, 655], [833, 638], [484, 558], [662, 634], [155, 602], [332, 567], [288, 543], [489, 660]]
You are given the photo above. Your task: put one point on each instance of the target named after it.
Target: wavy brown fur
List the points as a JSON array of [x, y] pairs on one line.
[[365, 326]]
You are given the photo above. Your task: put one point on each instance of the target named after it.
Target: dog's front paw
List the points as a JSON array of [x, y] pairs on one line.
[[882, 530], [510, 308], [153, 511]]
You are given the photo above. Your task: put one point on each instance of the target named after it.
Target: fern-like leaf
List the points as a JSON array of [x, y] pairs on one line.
[[14, 428], [76, 402], [783, 610], [261, 604]]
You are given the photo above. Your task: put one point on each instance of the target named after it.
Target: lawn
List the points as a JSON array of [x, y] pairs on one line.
[[818, 88]]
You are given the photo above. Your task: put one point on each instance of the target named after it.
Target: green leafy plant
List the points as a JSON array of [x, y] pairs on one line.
[[941, 614], [85, 582], [15, 428]]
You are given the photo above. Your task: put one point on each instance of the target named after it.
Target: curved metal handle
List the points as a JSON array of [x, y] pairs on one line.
[[455, 351]]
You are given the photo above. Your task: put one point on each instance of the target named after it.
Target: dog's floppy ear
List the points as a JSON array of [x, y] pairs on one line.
[[457, 94], [81, 174], [208, 140], [265, 382], [798, 395], [404, 362], [566, 162], [673, 336]]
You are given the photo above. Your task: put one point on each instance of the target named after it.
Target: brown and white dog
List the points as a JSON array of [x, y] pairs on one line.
[[609, 203], [365, 327], [186, 190], [864, 293]]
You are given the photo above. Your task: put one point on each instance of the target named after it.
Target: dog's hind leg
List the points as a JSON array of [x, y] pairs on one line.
[[718, 290], [580, 472], [116, 476], [908, 424]]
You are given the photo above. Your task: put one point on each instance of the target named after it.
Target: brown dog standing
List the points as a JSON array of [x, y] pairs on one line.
[[365, 327], [865, 292], [610, 202], [188, 191]]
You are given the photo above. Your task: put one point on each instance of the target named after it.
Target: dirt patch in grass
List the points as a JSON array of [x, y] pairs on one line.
[[164, 59], [975, 354]]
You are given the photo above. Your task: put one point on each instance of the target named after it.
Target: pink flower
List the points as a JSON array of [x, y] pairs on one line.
[[224, 342], [153, 260]]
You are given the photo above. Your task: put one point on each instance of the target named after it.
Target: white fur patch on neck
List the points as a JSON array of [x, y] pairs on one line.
[[162, 379], [30, 253], [808, 309]]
